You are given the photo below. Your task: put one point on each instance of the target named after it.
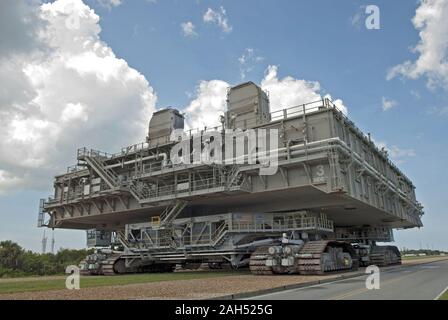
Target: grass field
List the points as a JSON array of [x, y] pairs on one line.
[[444, 296], [422, 257], [58, 283]]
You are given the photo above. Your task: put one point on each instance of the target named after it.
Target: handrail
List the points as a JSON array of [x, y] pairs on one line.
[[291, 223], [229, 225], [292, 111], [301, 109]]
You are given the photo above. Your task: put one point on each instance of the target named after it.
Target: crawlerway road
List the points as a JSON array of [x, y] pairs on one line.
[[419, 282]]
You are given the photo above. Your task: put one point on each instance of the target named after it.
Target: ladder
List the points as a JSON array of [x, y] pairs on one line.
[[41, 215], [218, 236], [171, 212], [234, 177], [121, 237], [138, 191]]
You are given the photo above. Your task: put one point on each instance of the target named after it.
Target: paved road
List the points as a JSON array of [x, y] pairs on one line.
[[419, 282]]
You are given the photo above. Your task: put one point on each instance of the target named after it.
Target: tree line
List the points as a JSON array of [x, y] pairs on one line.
[[17, 262], [427, 252]]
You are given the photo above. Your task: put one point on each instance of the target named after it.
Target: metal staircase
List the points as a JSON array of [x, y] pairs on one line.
[[171, 212], [121, 237], [110, 177], [138, 190], [95, 160], [237, 180], [234, 177], [219, 236]]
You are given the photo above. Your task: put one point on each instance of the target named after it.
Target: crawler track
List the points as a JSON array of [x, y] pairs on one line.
[[310, 261], [112, 265], [257, 262], [319, 257], [314, 258], [385, 256], [83, 271]]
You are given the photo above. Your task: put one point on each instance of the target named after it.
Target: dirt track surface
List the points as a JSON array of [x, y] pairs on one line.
[[179, 289]]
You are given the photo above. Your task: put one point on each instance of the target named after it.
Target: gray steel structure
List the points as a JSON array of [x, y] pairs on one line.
[[332, 182]]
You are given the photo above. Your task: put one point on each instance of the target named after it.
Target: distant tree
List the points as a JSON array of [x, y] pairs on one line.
[[15, 261], [11, 255]]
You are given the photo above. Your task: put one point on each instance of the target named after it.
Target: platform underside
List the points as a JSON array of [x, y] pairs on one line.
[[342, 209]]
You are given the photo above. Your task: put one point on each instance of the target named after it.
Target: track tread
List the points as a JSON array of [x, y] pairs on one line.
[[257, 262], [310, 258], [107, 266]]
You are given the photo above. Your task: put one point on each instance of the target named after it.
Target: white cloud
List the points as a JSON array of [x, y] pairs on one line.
[[19, 27], [431, 19], [388, 104], [338, 103], [8, 181], [439, 111], [397, 154], [247, 61], [188, 29], [74, 112], [210, 98], [66, 91], [289, 92], [109, 3], [219, 18], [209, 104]]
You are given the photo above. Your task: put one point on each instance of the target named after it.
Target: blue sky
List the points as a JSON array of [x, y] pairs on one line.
[[323, 40]]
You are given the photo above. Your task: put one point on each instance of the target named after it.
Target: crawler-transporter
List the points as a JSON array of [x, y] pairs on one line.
[[299, 190]]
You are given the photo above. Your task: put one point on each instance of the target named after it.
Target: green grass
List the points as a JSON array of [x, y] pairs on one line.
[[43, 284], [444, 296], [422, 257]]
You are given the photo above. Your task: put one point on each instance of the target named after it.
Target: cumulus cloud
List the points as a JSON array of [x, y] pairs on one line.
[[65, 90], [247, 61], [210, 97], [431, 20], [218, 18], [109, 3], [398, 154], [289, 92], [208, 105], [8, 181], [19, 27], [388, 103], [188, 29]]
